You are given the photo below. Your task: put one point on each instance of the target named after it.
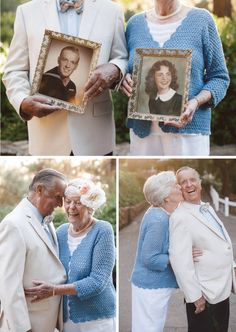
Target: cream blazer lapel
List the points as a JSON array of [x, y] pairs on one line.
[[49, 10], [91, 10], [220, 223], [53, 232], [40, 231], [200, 217]]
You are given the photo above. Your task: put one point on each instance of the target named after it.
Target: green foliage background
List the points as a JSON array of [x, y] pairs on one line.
[[224, 119]]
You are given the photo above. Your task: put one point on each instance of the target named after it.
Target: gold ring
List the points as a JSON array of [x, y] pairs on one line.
[[100, 89]]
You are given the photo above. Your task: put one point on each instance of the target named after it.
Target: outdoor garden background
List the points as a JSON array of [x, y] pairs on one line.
[[17, 173], [224, 116]]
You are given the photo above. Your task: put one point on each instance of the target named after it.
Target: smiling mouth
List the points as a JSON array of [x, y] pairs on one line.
[[191, 191]]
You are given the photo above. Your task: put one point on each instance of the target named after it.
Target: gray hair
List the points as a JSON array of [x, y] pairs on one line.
[[187, 168], [158, 187], [46, 177]]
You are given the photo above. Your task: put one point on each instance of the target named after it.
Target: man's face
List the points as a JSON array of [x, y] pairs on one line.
[[67, 61], [50, 198], [191, 186]]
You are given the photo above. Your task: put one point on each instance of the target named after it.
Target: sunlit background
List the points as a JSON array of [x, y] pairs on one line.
[[17, 173], [134, 172]]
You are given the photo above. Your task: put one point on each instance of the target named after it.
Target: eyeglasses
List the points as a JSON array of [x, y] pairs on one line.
[[76, 203]]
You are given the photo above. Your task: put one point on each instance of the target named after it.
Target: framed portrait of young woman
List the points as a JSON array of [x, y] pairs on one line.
[[161, 84], [63, 68]]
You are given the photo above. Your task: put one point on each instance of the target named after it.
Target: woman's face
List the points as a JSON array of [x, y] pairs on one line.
[[175, 195], [76, 211], [163, 79]]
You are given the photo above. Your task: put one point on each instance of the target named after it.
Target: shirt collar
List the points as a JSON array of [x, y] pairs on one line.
[[35, 211], [166, 96], [194, 207], [58, 6]]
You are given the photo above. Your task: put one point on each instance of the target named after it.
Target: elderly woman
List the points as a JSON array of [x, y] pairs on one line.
[[86, 249], [170, 24], [152, 278], [161, 86]]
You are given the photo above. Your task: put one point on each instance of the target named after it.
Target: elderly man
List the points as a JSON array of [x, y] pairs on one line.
[[56, 82], [28, 251], [207, 282], [92, 133]]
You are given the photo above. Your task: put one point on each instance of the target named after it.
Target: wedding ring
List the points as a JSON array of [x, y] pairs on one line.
[[100, 89], [35, 297]]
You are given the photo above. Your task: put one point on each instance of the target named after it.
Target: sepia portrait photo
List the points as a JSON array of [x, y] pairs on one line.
[[161, 82], [63, 69]]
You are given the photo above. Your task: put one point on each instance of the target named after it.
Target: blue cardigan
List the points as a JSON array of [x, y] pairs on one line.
[[197, 32], [90, 270], [152, 268]]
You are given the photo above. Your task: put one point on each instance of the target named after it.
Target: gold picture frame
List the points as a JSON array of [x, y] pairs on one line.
[[60, 55], [166, 69]]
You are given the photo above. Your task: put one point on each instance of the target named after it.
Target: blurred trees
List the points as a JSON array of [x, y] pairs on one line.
[[223, 117], [15, 180], [222, 8], [134, 172]]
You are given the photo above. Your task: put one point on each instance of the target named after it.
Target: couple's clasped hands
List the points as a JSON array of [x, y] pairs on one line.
[[186, 116]]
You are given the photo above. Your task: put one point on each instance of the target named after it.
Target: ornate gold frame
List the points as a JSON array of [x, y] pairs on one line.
[[45, 47], [156, 53]]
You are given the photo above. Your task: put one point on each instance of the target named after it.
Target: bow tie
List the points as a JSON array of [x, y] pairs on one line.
[[204, 207], [47, 220], [76, 4]]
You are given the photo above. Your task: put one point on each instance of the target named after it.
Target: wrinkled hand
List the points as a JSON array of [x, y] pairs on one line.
[[102, 78], [127, 84], [186, 116], [36, 106], [200, 305], [196, 253], [40, 291]]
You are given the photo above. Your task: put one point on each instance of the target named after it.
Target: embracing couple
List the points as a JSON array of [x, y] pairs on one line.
[[182, 243], [39, 266]]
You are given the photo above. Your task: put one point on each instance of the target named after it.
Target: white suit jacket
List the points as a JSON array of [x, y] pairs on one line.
[[213, 276], [92, 133], [26, 254]]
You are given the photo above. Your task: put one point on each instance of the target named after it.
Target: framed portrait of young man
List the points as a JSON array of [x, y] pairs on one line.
[[160, 84], [64, 66]]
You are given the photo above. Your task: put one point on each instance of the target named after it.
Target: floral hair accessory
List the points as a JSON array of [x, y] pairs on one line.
[[204, 207], [90, 195], [94, 198]]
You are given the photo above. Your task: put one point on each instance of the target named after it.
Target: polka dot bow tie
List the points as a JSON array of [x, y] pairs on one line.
[[204, 207], [76, 4], [47, 220]]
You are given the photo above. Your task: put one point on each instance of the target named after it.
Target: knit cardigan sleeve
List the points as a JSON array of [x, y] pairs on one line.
[[102, 265], [152, 255], [216, 76]]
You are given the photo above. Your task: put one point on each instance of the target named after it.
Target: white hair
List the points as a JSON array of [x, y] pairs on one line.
[[158, 187]]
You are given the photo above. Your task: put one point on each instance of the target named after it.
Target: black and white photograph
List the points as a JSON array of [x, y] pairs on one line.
[[161, 81], [63, 69]]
